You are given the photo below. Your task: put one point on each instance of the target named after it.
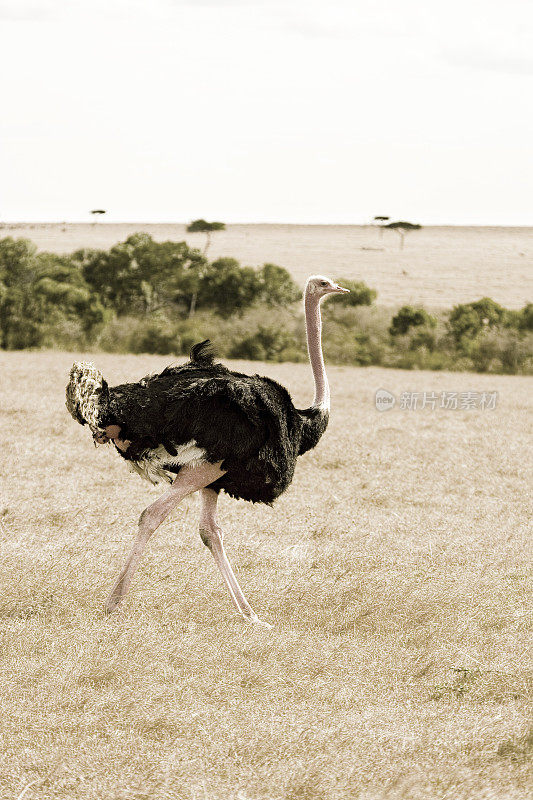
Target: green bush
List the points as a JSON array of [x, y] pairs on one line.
[[527, 317], [152, 336], [267, 343], [410, 317], [41, 292], [467, 320], [140, 297], [502, 350], [64, 334], [423, 338], [520, 320]]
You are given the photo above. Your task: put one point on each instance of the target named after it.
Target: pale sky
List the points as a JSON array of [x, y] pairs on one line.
[[267, 110]]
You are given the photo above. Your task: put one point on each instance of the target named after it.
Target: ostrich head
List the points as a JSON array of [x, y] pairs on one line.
[[86, 394], [319, 286]]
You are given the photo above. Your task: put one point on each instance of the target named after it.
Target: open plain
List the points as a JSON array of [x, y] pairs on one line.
[[395, 572], [438, 267]]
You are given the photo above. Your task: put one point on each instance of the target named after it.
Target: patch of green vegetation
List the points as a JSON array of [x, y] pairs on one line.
[[143, 296], [459, 686]]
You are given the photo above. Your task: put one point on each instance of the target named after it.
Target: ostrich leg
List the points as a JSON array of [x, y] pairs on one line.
[[188, 480], [211, 535]]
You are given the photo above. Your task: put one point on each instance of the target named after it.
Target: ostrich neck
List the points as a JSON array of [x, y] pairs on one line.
[[313, 323]]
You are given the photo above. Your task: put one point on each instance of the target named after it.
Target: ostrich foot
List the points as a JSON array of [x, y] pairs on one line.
[[251, 617], [114, 600], [111, 604], [117, 613], [118, 592], [254, 620]]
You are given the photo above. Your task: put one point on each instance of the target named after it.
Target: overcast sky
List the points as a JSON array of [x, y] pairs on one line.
[[267, 110]]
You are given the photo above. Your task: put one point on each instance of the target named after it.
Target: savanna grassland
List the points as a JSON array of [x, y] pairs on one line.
[[395, 572], [438, 267]]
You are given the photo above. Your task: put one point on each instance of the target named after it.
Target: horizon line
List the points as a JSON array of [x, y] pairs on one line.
[[101, 222]]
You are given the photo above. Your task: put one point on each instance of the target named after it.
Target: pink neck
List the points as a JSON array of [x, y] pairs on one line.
[[313, 323]]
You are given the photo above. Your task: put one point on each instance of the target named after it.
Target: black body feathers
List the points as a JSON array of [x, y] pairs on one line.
[[247, 422]]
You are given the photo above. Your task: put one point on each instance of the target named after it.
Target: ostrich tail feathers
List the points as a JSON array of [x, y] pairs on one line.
[[87, 394], [202, 353]]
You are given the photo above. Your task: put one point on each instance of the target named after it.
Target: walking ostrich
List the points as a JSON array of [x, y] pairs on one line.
[[203, 428]]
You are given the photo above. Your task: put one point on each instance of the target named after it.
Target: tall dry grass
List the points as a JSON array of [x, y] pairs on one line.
[[395, 572]]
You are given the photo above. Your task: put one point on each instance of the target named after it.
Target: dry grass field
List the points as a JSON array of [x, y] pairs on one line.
[[395, 573], [439, 266]]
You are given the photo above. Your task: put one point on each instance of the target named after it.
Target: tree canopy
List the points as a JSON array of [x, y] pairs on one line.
[[405, 226], [402, 227], [202, 226]]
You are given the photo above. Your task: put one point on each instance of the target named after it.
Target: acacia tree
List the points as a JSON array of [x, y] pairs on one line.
[[380, 222], [201, 226], [97, 212], [402, 228]]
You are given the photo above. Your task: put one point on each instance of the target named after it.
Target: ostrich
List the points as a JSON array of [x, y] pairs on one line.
[[203, 428]]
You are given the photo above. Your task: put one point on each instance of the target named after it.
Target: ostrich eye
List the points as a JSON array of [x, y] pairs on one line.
[[323, 283]]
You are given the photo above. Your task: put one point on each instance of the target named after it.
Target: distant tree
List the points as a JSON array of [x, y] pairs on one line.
[[97, 212], [380, 222], [410, 317], [360, 294], [201, 226], [402, 228]]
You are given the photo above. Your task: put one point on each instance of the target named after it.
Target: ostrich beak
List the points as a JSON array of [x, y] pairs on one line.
[[340, 289]]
